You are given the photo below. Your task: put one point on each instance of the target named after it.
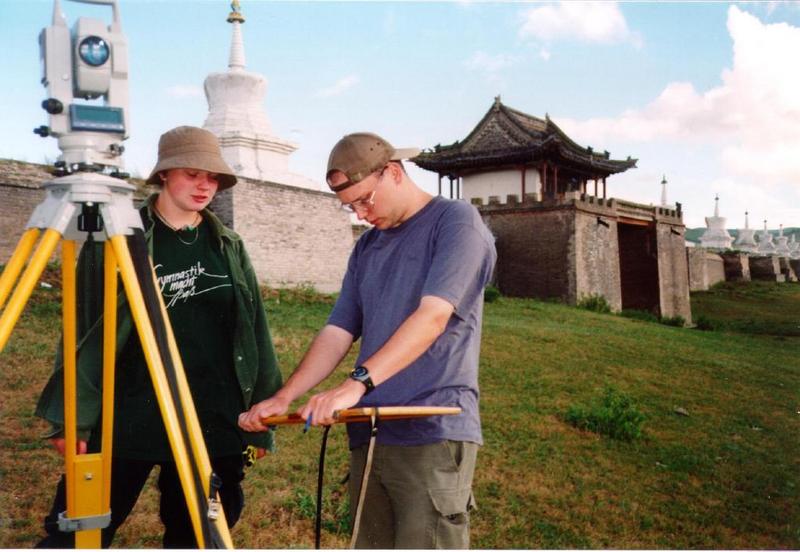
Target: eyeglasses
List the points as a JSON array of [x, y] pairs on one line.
[[360, 204], [364, 203]]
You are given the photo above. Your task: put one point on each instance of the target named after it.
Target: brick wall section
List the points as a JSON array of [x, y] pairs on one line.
[[672, 269], [294, 236], [558, 249], [597, 256], [766, 268], [795, 264], [534, 253], [737, 266], [716, 269], [696, 265], [787, 270], [706, 268], [20, 193]]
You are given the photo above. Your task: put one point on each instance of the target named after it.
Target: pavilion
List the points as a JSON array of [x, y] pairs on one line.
[[558, 233]]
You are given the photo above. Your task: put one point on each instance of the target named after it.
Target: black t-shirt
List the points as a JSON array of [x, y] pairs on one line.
[[197, 290]]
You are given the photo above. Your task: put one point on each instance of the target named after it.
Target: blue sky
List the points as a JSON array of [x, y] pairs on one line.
[[706, 93]]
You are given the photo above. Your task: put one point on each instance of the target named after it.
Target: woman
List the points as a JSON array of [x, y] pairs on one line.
[[215, 309]]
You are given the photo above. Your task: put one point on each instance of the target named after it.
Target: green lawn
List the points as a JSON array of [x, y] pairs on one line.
[[725, 476]]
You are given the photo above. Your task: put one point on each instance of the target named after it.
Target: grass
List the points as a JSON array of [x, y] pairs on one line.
[[724, 476], [737, 306]]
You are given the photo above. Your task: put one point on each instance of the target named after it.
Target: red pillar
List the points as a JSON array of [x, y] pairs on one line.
[[543, 172], [555, 181]]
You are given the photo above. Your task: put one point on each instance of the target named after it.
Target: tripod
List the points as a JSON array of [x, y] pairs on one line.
[[87, 202]]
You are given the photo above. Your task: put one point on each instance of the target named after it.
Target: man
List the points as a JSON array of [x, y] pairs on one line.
[[413, 293]]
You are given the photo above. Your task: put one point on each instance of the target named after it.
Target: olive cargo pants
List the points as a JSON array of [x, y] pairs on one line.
[[417, 497]]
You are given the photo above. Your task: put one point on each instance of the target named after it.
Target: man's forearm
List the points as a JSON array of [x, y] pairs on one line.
[[412, 339], [323, 356]]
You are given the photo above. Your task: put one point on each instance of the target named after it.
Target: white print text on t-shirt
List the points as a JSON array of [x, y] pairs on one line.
[[183, 284]]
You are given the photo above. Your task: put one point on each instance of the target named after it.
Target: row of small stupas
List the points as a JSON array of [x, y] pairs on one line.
[[748, 240]]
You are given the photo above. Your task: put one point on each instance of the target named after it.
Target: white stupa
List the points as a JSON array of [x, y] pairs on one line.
[[782, 247], [794, 248], [765, 245], [716, 236], [236, 115], [746, 240]]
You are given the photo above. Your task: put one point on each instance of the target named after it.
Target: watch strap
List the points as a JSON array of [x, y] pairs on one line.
[[361, 374]]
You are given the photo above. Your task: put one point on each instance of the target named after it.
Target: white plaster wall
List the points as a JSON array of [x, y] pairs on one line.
[[499, 183]]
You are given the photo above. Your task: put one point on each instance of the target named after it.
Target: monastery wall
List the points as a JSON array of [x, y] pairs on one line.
[[294, 236], [795, 264], [570, 249], [705, 268], [20, 193], [766, 268], [787, 270], [597, 256], [737, 266], [673, 269], [535, 254]]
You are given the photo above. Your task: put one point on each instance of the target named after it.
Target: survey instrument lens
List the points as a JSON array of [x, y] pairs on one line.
[[94, 51]]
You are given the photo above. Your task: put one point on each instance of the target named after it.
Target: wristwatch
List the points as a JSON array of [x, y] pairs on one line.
[[361, 374]]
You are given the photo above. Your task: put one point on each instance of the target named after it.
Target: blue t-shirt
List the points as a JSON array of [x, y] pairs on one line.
[[444, 250]]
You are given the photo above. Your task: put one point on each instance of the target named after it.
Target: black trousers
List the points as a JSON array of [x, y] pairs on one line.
[[127, 480]]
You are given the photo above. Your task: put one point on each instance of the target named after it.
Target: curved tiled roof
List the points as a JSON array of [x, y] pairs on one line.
[[506, 136]]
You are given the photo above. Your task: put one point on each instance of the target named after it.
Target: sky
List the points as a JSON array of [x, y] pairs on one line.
[[705, 94]]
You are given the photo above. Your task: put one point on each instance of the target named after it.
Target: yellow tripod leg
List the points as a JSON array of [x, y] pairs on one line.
[[17, 261], [160, 384], [84, 472], [26, 284], [109, 358]]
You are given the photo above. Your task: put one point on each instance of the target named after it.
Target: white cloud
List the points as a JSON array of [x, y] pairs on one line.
[[183, 91], [752, 118], [339, 87], [544, 53], [601, 22], [481, 61]]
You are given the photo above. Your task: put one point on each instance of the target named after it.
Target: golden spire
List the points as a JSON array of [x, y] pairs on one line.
[[236, 15]]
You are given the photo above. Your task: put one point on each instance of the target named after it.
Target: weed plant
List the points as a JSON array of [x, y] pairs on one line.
[[677, 321], [491, 294], [595, 303], [614, 415]]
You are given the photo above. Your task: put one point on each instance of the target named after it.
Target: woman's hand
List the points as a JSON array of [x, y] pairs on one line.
[[60, 445]]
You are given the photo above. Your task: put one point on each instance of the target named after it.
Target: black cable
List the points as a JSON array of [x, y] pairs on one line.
[[144, 274], [320, 477]]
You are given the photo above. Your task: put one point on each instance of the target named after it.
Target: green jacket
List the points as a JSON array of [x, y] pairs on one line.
[[254, 355]]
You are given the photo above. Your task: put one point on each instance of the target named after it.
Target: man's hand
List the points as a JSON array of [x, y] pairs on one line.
[[274, 406], [60, 445], [322, 406]]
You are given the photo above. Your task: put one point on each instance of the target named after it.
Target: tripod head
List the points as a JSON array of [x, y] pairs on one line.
[[85, 72]]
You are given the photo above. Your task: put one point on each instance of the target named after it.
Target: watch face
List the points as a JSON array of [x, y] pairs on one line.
[[359, 372]]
